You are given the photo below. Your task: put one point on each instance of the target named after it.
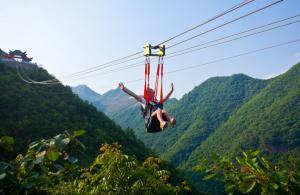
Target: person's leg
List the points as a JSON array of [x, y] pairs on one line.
[[166, 115], [158, 114]]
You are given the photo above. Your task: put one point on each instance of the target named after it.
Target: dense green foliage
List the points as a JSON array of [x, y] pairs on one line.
[[45, 164], [253, 174], [48, 168], [114, 172], [29, 112], [6, 145]]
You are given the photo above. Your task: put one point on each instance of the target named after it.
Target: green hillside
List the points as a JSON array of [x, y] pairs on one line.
[[225, 115], [203, 110], [198, 113], [270, 121], [30, 112]]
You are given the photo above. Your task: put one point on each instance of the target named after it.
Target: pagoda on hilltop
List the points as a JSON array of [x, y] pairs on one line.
[[14, 55]]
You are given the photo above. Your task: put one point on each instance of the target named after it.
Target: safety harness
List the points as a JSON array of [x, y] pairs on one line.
[[152, 123]]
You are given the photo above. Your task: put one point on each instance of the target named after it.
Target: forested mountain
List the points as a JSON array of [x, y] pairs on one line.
[[270, 121], [198, 113], [225, 115], [29, 112], [203, 110]]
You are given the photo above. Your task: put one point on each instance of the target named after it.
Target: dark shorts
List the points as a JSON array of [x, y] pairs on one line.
[[151, 122], [157, 106]]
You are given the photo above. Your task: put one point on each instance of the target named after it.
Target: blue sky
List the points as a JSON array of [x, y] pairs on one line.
[[69, 36]]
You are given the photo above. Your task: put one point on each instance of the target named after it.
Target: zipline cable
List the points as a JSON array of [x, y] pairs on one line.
[[185, 51], [234, 39], [134, 54], [235, 34], [229, 22], [225, 58], [239, 5], [210, 30], [219, 43], [235, 7], [213, 61]]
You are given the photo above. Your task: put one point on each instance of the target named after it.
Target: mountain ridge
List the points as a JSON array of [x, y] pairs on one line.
[[109, 102], [279, 106]]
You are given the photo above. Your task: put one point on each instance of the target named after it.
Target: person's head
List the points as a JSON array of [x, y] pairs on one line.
[[151, 94]]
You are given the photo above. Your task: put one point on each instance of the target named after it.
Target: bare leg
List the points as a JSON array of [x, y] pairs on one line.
[[158, 114], [166, 115]]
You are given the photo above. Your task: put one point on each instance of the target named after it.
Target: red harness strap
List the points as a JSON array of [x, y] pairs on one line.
[[159, 76], [161, 80], [156, 82], [147, 75], [159, 73]]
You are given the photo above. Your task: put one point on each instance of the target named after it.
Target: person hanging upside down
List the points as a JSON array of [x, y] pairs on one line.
[[156, 108]]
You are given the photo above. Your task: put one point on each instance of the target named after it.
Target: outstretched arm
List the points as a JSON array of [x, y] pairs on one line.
[[170, 93], [123, 88]]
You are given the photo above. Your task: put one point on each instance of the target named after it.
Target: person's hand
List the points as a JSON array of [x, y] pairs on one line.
[[121, 86], [172, 87]]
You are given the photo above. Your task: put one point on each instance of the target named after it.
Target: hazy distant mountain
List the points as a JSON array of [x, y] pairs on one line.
[[86, 93], [116, 100], [111, 101]]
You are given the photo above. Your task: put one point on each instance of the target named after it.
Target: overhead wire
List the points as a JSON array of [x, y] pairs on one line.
[[42, 92], [234, 39], [188, 50], [225, 24], [212, 41], [255, 11], [218, 60], [239, 5], [106, 65], [235, 34], [184, 51], [212, 29], [235, 7], [225, 58]]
